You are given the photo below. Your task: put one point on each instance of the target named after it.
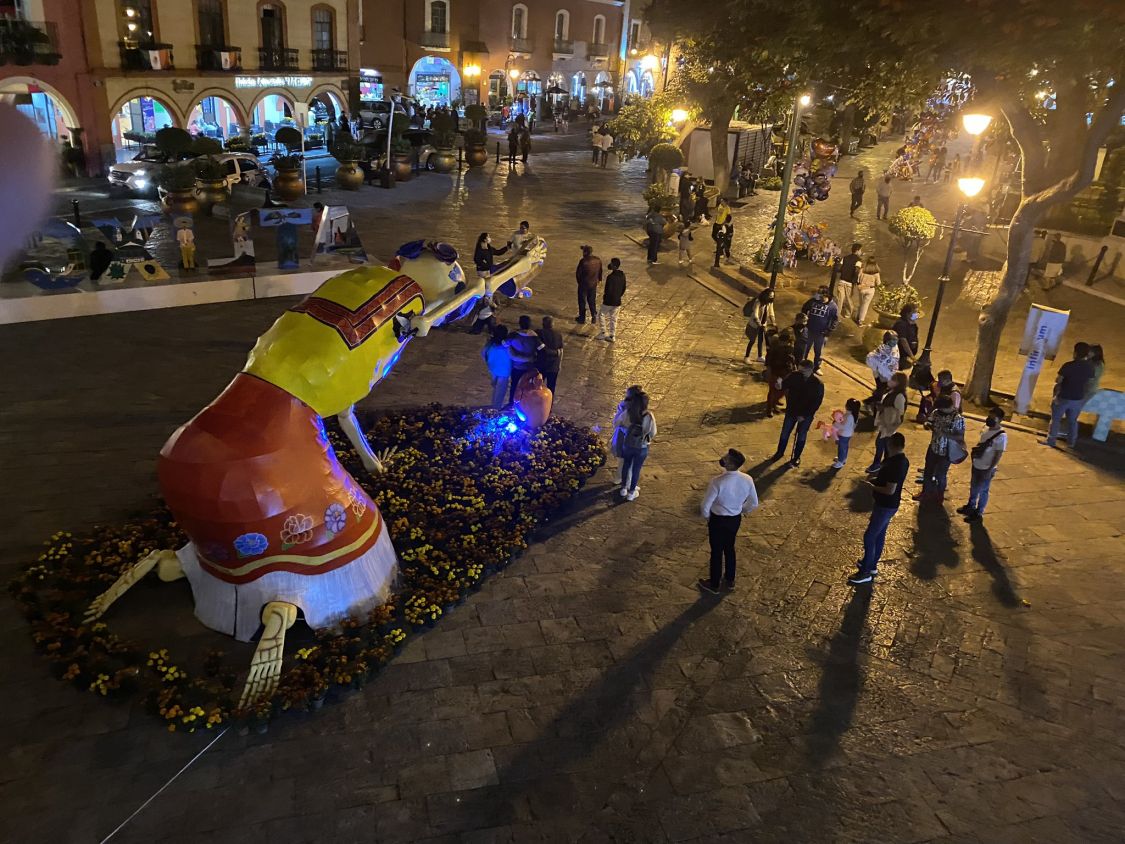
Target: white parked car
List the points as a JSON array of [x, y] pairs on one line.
[[139, 175]]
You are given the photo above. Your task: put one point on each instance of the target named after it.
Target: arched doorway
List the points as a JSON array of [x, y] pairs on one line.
[[648, 86], [269, 114], [497, 87], [632, 85], [42, 105], [578, 87], [434, 81], [215, 117], [325, 107], [137, 122], [603, 90]]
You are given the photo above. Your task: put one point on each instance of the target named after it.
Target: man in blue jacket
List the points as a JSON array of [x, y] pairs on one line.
[[823, 316]]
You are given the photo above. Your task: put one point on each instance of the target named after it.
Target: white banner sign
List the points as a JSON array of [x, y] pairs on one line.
[[1041, 338]]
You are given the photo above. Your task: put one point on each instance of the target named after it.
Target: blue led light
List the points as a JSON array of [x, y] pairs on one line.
[[511, 427]]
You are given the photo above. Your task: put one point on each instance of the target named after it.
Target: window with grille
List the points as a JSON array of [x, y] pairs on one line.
[[322, 29], [439, 16], [212, 33]]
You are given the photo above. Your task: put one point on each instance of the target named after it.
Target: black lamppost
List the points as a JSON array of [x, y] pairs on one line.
[[773, 258]]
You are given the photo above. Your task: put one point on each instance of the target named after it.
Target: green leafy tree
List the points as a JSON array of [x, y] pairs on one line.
[[1074, 52], [644, 123]]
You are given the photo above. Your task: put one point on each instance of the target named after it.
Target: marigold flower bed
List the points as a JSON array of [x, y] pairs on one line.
[[462, 496]]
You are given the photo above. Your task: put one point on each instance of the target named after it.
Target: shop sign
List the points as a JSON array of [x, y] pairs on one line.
[[273, 81]]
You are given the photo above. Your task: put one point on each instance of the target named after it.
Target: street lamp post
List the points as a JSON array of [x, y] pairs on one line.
[[773, 258], [970, 187]]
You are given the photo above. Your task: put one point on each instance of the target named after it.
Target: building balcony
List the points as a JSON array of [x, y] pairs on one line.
[[277, 58], [597, 51], [28, 42], [329, 59], [208, 57], [146, 57], [564, 47], [435, 40], [523, 46]]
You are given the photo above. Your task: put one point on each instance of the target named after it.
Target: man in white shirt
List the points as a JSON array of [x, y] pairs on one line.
[[522, 236], [728, 496], [986, 457]]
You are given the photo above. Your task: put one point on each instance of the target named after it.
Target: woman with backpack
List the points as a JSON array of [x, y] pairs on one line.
[[639, 429], [760, 317], [947, 446]]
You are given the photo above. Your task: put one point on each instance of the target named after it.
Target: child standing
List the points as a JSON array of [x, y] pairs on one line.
[[685, 244], [845, 429]]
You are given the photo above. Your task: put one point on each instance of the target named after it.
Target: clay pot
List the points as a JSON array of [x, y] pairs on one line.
[[349, 176], [533, 399], [180, 202], [211, 192], [401, 164], [289, 185], [444, 161], [476, 155]]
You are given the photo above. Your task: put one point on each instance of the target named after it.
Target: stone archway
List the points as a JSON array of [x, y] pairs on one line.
[[434, 81], [215, 115], [42, 104], [139, 115]]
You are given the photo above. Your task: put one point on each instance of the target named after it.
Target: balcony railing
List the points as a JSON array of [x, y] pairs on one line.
[[153, 56], [435, 40], [523, 45], [218, 58], [28, 42], [564, 47], [277, 58], [329, 60], [597, 51]]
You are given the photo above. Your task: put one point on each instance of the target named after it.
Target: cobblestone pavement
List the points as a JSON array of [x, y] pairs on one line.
[[588, 693]]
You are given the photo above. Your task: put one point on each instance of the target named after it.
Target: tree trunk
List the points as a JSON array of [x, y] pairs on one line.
[[1017, 261], [720, 153]]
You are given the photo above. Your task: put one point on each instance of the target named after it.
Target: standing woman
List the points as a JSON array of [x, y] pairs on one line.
[[760, 317], [889, 413], [495, 354], [865, 288], [484, 256], [639, 430], [550, 352]]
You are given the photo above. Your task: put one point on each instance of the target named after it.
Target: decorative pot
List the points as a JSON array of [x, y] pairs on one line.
[[443, 161], [402, 166], [887, 319], [671, 224], [180, 202], [211, 192], [476, 155], [289, 185], [349, 176]]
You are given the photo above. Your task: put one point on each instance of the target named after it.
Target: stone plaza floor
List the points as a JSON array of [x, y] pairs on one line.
[[589, 693]]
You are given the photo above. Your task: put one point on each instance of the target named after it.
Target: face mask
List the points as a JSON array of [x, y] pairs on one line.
[[914, 317]]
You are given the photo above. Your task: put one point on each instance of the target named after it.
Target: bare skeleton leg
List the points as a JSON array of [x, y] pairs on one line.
[[167, 566], [265, 667]]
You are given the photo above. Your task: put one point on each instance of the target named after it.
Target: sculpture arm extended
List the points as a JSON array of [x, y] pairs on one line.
[[421, 325]]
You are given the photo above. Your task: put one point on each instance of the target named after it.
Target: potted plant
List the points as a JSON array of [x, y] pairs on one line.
[[400, 158], [445, 135], [238, 143], [475, 153], [210, 175], [349, 154], [889, 300], [662, 160], [290, 182], [178, 184], [914, 227]]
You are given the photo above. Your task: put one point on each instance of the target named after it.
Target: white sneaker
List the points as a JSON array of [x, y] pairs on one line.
[[836, 464], [760, 359], [632, 496], [746, 359], [624, 492]]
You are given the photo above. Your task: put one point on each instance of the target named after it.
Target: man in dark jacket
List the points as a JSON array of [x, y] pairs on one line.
[[611, 301], [849, 275], [523, 347], [654, 228], [803, 396], [588, 274], [823, 316], [907, 330], [550, 352]]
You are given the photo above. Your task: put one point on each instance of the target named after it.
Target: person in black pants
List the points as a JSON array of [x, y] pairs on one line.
[[523, 347], [728, 497], [804, 394], [550, 355]]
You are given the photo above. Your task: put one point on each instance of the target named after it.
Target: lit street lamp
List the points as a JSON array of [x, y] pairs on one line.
[[970, 187], [773, 259], [679, 115]]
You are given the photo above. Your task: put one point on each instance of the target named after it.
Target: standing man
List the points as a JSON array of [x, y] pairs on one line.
[[849, 275], [986, 456], [611, 301], [521, 236], [588, 274], [883, 191], [1070, 394], [823, 317], [654, 228], [523, 348], [728, 497], [857, 186], [886, 488], [803, 396]]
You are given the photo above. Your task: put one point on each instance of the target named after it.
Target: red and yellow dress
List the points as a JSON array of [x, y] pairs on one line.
[[253, 480]]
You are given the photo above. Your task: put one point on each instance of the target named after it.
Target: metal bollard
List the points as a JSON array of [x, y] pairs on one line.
[[78, 218], [318, 188], [1089, 281], [460, 157], [497, 152]]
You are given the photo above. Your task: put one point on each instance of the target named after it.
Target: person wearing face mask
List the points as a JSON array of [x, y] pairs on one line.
[[728, 497], [823, 316], [883, 362], [804, 394], [947, 435], [986, 456], [484, 256], [907, 330], [760, 318], [521, 236]]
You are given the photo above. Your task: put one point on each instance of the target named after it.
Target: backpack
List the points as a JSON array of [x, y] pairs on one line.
[[635, 434], [981, 448]]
